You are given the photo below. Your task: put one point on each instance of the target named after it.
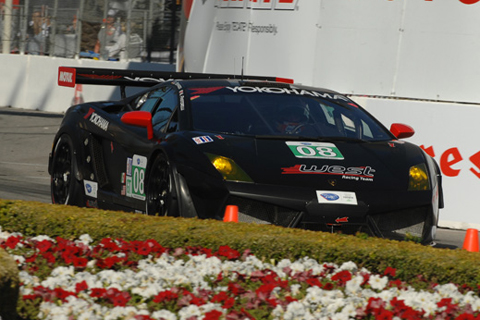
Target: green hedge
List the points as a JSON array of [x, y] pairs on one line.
[[265, 241], [9, 286]]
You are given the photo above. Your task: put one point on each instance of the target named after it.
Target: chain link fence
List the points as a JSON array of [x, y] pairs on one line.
[[131, 30]]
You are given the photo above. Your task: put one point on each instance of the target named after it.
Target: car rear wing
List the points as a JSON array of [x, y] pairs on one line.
[[70, 76]]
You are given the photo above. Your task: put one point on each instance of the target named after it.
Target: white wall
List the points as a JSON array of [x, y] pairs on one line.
[[30, 82], [400, 48]]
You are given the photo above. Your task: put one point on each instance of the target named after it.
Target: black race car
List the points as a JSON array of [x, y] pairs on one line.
[[284, 154]]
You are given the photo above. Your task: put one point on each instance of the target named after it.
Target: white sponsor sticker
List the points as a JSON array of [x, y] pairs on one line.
[[91, 188], [336, 197], [135, 183]]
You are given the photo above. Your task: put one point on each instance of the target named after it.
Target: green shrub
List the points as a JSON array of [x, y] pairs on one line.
[[412, 261]]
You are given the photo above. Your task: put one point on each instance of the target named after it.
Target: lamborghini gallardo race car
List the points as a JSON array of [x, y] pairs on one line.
[[284, 154]]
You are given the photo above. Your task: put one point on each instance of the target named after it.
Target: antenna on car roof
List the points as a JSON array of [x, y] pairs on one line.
[[242, 67]]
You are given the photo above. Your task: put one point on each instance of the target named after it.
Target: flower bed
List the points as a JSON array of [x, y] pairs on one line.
[[119, 279]]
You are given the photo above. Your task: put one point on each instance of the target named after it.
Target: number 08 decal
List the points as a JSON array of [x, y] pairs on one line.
[[319, 150], [136, 177]]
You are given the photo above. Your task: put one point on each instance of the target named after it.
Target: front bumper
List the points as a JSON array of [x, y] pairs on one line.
[[389, 215]]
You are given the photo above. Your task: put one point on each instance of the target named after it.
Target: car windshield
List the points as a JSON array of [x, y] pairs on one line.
[[274, 115]]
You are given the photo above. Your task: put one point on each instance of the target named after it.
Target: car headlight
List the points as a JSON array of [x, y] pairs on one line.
[[418, 178], [228, 168]]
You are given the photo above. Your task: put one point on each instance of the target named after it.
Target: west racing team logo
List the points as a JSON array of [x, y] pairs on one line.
[[349, 173]]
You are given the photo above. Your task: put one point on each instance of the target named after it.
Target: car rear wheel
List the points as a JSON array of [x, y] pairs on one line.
[[160, 191], [65, 188]]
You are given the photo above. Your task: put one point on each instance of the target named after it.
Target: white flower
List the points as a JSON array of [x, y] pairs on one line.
[[85, 239], [377, 282], [164, 314]]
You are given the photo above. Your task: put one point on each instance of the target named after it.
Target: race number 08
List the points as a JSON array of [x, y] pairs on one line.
[[315, 150], [138, 181], [322, 151]]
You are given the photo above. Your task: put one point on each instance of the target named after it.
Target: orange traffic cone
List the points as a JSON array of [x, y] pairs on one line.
[[78, 96], [231, 214], [471, 240]]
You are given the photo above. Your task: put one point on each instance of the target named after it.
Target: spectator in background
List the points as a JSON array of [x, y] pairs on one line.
[[118, 48], [107, 36], [38, 30]]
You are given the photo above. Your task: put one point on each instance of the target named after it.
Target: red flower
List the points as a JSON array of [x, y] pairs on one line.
[[384, 315], [450, 307], [167, 295], [43, 245], [342, 277], [120, 299], [389, 271], [49, 257], [80, 262], [328, 286], [62, 294], [144, 249], [375, 306], [235, 288], [12, 242], [109, 245], [81, 286], [98, 293], [213, 315], [264, 291], [229, 253], [314, 282]]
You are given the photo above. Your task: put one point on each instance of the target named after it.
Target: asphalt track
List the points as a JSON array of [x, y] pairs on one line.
[[26, 138]]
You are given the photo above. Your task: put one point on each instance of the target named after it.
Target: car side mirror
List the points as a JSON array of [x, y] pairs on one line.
[[140, 119], [401, 130]]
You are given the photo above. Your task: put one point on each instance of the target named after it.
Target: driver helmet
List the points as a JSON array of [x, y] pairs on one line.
[[292, 119]]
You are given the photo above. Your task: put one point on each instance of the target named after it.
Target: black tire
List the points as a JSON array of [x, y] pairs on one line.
[[160, 190], [65, 188]]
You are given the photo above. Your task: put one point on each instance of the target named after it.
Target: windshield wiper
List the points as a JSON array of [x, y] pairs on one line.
[[307, 138]]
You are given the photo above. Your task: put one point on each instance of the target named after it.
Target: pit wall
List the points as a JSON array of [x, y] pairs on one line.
[[445, 130]]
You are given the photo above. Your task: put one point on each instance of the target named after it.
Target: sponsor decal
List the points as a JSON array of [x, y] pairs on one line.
[[261, 4], [66, 77], [293, 91], [202, 139], [219, 137], [92, 204], [342, 219], [135, 181], [91, 188], [349, 173], [243, 26], [196, 91], [129, 166], [146, 79], [318, 150], [337, 197], [96, 119], [452, 162]]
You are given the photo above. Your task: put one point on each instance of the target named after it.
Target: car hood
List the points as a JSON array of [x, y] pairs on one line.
[[325, 165]]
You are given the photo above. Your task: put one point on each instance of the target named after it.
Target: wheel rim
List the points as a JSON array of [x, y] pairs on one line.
[[62, 174], [159, 196]]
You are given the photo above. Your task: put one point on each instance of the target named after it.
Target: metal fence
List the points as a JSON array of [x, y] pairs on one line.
[[139, 30]]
